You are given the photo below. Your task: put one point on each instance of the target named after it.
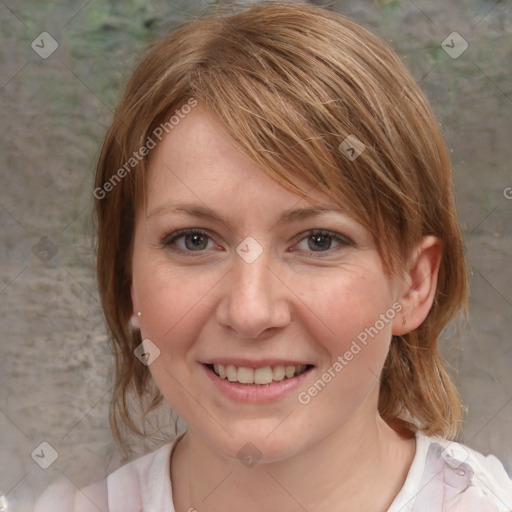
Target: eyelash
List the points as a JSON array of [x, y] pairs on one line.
[[169, 241]]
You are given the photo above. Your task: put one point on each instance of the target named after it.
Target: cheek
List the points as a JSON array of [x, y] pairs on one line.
[[174, 310], [355, 313], [170, 301], [348, 303]]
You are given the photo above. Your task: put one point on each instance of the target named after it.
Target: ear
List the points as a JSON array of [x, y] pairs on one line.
[[418, 285], [135, 318]]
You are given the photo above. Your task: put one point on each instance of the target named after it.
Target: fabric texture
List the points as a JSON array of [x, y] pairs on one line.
[[444, 477]]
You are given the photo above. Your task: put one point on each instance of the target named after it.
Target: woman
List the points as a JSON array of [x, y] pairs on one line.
[[278, 252]]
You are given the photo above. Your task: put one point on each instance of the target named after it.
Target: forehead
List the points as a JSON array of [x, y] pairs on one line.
[[198, 161]]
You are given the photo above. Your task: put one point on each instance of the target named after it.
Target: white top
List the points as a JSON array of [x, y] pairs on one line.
[[444, 477]]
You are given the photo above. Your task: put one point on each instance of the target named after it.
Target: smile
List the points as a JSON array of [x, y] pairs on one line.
[[256, 382], [261, 376]]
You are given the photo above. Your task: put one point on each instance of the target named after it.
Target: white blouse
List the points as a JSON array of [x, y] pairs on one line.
[[444, 477]]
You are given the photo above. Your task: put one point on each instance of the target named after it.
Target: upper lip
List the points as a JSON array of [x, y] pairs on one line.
[[251, 363]]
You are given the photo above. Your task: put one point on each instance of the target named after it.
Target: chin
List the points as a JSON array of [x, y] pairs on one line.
[[257, 448]]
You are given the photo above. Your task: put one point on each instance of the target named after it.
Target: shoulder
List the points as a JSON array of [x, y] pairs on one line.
[[142, 483], [450, 477], [131, 488], [64, 496]]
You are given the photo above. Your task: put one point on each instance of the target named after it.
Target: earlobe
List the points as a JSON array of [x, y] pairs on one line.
[[419, 285]]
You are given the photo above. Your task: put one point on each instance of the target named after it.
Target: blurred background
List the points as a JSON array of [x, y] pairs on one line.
[[57, 95]]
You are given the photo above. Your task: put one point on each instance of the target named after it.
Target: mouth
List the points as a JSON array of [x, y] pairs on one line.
[[264, 376]]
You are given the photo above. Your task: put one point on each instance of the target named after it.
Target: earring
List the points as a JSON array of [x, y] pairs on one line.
[[134, 320], [403, 320]]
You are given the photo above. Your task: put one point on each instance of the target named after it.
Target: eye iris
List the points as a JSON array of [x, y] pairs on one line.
[[198, 241], [322, 241]]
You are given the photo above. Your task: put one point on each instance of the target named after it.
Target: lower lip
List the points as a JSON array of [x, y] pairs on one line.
[[255, 392]]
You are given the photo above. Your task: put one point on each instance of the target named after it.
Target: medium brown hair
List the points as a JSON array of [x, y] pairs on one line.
[[290, 83]]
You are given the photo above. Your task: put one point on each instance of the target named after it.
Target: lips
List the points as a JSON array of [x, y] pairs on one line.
[[253, 381]]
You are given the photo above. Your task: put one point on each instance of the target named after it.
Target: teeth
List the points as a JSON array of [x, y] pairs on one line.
[[278, 373], [245, 375], [231, 372], [289, 371], [260, 376], [263, 375]]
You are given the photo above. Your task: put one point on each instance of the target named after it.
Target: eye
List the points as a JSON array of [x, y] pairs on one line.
[[322, 241], [187, 240], [196, 240]]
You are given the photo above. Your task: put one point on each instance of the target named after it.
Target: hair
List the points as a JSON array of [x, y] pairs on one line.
[[290, 83]]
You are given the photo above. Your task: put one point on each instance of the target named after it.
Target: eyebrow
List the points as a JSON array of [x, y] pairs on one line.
[[199, 211]]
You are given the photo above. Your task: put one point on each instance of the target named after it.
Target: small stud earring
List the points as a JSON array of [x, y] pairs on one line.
[[134, 320], [403, 320], [139, 314]]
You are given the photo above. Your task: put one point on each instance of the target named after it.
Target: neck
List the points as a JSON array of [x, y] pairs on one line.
[[359, 467]]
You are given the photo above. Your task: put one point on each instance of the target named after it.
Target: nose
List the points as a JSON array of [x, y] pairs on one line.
[[254, 300]]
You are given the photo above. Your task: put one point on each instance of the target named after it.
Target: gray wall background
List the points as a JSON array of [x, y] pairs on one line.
[[54, 361]]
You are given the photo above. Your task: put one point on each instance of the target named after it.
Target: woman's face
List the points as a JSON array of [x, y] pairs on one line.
[[264, 287]]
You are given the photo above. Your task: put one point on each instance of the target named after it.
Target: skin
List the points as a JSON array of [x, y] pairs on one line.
[[298, 300]]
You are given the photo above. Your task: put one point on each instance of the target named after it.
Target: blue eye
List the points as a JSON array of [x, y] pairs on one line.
[[322, 241], [194, 240]]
